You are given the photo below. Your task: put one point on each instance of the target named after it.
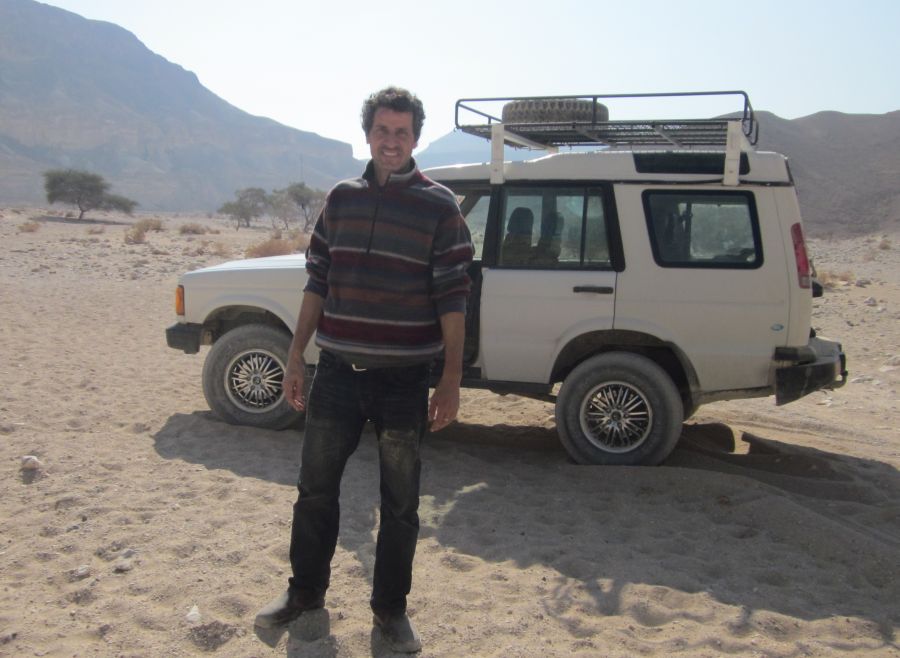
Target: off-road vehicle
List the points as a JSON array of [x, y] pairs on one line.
[[649, 268]]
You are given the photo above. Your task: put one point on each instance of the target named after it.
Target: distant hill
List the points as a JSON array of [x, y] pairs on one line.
[[88, 94], [846, 166]]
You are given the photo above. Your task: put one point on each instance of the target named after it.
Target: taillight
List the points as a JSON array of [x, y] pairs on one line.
[[179, 300], [804, 275]]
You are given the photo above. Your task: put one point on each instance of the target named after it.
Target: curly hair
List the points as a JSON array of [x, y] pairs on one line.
[[398, 100]]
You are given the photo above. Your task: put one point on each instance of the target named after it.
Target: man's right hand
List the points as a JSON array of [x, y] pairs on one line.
[[292, 384]]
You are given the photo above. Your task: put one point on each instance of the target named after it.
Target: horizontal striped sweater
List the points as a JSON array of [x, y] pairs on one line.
[[388, 261]]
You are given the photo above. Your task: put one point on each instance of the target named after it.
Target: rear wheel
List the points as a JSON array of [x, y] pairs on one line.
[[242, 377], [619, 409]]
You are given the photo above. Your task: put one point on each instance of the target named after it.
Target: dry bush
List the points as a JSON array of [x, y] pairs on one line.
[[149, 225], [885, 244], [29, 227], [137, 234], [219, 249], [831, 280], [193, 229], [278, 247]]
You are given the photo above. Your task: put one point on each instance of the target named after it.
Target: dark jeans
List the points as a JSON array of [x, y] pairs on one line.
[[340, 402]]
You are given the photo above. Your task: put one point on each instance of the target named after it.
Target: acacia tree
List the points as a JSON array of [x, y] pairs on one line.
[[85, 190], [250, 203], [309, 200]]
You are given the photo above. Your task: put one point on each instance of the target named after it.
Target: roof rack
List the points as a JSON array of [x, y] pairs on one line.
[[733, 134]]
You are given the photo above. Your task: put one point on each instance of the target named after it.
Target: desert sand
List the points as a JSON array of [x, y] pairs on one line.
[[148, 527]]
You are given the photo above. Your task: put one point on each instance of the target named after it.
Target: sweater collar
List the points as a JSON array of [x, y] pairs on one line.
[[402, 178]]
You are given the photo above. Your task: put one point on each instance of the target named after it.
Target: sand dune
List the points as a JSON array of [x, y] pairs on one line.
[[769, 532]]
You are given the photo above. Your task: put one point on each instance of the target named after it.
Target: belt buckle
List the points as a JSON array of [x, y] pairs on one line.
[[356, 368]]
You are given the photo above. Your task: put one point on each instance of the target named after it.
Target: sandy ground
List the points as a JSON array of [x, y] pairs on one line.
[[769, 532]]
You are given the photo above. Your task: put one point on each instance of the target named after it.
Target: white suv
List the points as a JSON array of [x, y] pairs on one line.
[[662, 271]]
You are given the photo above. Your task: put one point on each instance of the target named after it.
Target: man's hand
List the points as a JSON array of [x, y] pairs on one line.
[[444, 404], [292, 384]]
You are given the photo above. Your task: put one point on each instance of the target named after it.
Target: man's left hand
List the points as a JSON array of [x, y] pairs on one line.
[[444, 404]]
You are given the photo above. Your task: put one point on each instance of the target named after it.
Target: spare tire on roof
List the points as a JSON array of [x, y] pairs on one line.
[[553, 110]]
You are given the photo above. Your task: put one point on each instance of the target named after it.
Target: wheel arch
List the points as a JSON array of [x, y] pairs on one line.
[[224, 319], [666, 355]]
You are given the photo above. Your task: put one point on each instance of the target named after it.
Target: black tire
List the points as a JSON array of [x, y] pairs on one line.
[[554, 110], [242, 377], [619, 409]]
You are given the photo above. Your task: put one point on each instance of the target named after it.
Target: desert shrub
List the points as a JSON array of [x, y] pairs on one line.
[[29, 227], [278, 247], [192, 229], [885, 244], [219, 249], [137, 234], [831, 280], [149, 225]]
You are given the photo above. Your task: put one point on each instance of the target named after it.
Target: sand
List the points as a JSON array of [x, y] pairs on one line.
[[151, 528]]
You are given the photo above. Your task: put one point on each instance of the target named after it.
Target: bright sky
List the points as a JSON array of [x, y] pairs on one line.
[[310, 64]]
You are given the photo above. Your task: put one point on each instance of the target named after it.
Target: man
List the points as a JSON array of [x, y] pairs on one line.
[[386, 295]]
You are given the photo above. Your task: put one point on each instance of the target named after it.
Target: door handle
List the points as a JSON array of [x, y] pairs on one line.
[[601, 290]]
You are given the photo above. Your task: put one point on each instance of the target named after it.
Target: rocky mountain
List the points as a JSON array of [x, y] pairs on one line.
[[88, 94], [846, 166]]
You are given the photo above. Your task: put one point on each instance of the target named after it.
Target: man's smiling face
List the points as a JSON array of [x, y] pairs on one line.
[[391, 142]]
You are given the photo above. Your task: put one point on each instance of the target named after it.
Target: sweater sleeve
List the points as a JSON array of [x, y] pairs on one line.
[[452, 254], [318, 257]]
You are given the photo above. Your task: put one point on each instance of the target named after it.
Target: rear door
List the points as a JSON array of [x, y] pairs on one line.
[[548, 275]]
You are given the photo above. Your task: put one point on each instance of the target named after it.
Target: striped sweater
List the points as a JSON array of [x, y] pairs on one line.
[[389, 262]]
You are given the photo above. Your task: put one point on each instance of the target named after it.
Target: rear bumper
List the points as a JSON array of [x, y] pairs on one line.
[[821, 364], [185, 337]]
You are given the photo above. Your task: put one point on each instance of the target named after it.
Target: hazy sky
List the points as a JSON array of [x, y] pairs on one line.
[[309, 64]]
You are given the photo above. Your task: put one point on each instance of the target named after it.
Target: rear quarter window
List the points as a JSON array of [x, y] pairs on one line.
[[703, 229]]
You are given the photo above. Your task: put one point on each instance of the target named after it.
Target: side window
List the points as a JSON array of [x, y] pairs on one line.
[[546, 227], [474, 205], [703, 229]]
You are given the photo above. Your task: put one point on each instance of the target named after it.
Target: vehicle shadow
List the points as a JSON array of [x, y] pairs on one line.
[[774, 527]]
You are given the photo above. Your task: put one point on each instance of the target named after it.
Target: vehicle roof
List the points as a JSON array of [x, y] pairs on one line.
[[623, 165]]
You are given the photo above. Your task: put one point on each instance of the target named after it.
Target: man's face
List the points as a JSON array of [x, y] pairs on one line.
[[391, 141]]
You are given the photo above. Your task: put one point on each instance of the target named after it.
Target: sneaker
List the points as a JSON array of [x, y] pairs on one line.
[[398, 631], [288, 606]]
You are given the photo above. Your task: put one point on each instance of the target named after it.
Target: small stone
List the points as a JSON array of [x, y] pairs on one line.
[[870, 301], [31, 463], [123, 565], [79, 573], [193, 616]]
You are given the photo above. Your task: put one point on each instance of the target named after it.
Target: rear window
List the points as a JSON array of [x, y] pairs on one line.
[[703, 229]]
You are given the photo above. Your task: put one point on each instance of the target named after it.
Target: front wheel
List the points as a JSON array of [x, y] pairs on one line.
[[242, 377], [621, 409]]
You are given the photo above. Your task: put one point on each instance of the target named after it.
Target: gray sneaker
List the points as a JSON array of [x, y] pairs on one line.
[[398, 631]]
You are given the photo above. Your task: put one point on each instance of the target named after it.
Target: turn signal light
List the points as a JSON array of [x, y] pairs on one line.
[[179, 300]]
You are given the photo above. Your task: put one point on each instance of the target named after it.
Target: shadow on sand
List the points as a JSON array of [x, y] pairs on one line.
[[822, 529]]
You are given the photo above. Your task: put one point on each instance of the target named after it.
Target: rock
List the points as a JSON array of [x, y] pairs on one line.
[[79, 573], [862, 283], [123, 565], [31, 463], [870, 301], [193, 616]]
